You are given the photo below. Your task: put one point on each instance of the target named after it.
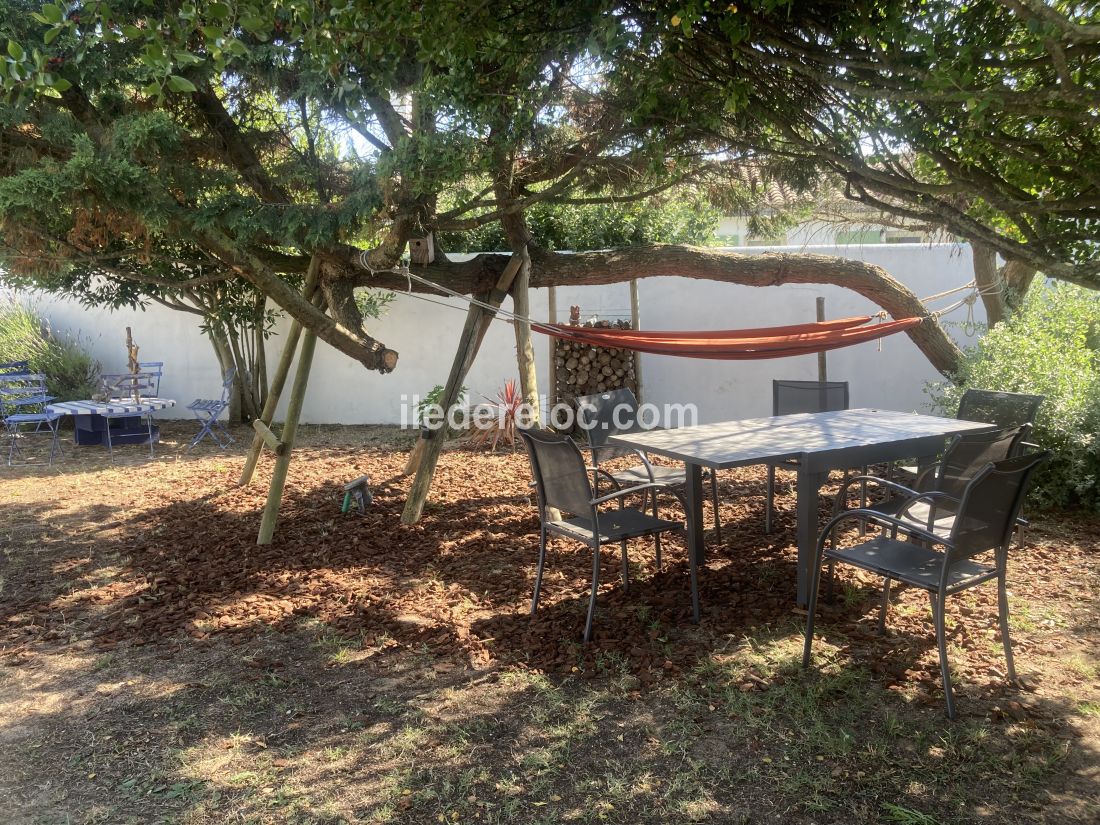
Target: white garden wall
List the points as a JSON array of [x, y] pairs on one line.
[[426, 335]]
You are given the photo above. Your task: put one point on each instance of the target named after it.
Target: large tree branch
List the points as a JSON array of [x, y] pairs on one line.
[[354, 343], [237, 150], [766, 269]]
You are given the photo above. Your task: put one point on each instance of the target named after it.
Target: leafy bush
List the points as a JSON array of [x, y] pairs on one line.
[[70, 371], [1048, 347]]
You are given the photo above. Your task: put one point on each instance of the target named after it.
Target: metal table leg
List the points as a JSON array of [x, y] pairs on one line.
[[809, 485], [694, 498]]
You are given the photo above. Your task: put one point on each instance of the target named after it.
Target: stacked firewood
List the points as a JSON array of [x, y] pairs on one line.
[[583, 369]]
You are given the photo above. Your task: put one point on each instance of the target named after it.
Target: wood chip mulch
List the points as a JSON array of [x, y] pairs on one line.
[[175, 562]]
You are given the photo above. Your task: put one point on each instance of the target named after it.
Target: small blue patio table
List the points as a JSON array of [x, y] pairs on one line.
[[116, 408]]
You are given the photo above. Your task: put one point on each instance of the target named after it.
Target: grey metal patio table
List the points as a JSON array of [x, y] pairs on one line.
[[816, 442]]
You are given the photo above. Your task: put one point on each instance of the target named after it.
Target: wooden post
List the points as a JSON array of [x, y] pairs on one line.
[[290, 431], [822, 367], [525, 349], [473, 333], [552, 312], [278, 381], [635, 322], [269, 438]]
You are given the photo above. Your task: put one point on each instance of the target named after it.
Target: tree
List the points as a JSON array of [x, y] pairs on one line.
[[259, 134], [980, 118]]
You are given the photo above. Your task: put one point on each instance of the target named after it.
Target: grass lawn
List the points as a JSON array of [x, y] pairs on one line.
[[157, 666]]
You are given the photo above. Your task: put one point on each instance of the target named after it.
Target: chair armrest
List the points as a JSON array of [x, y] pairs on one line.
[[878, 480], [629, 490], [931, 497], [907, 527]]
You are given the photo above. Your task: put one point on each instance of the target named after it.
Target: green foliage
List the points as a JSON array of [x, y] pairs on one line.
[[685, 218], [70, 371], [1050, 348]]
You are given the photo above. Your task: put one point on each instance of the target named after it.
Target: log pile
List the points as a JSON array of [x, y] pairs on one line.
[[583, 369]]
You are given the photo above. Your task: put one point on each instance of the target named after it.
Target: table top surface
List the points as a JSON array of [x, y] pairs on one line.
[[758, 440], [116, 406]]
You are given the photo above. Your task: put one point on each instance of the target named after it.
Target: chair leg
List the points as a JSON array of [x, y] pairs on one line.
[[626, 567], [538, 570], [656, 536], [886, 585], [1002, 611], [770, 503], [941, 643], [830, 586], [811, 607], [693, 572], [714, 497], [592, 598], [107, 431]]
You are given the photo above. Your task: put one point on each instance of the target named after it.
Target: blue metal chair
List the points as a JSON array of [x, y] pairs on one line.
[[10, 368], [207, 410], [154, 369], [125, 385], [23, 401]]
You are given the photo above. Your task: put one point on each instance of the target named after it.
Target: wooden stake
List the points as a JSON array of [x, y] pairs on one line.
[[552, 300], [473, 333], [822, 367], [635, 322], [290, 431], [278, 381], [525, 349], [269, 438]]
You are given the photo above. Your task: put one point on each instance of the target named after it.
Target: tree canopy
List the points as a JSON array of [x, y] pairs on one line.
[[167, 146]]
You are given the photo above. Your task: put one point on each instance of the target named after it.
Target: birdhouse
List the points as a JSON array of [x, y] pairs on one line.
[[422, 250]]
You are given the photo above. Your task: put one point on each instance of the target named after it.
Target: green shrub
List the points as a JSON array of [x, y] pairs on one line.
[[70, 371], [1048, 347]]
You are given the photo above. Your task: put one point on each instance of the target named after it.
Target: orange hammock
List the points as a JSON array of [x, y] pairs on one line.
[[736, 344]]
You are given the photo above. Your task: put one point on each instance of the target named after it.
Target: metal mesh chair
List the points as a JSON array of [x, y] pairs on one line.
[[983, 519], [23, 402], [966, 454], [563, 485], [207, 412], [615, 413], [791, 397], [1004, 409]]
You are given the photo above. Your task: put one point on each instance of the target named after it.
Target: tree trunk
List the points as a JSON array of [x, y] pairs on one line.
[[225, 363], [525, 349], [1001, 289]]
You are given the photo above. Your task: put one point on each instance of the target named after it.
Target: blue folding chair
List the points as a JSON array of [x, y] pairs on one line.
[[155, 369], [207, 410], [23, 401], [123, 386]]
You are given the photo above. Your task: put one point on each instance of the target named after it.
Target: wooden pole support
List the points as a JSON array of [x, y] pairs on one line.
[[278, 381], [473, 333], [822, 365], [269, 438], [290, 431], [552, 311], [635, 322]]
